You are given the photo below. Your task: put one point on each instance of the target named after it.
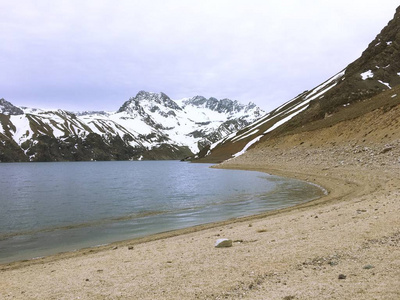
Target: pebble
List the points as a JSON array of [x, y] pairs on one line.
[[223, 243], [367, 267]]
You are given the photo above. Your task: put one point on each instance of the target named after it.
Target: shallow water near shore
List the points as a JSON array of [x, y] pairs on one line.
[[46, 208]]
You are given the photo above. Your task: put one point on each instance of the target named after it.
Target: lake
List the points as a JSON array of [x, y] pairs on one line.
[[46, 208]]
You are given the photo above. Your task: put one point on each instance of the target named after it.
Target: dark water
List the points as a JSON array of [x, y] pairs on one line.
[[47, 208]]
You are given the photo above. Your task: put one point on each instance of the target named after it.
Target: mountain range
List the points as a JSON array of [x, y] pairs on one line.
[[147, 126], [153, 126]]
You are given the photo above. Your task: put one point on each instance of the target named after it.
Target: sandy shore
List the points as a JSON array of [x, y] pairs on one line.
[[295, 253]]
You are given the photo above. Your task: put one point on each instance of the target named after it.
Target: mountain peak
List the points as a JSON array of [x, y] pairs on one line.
[[9, 109], [221, 106], [144, 98]]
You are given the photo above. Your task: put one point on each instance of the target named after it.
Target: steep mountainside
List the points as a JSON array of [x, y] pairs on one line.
[[147, 126], [376, 71]]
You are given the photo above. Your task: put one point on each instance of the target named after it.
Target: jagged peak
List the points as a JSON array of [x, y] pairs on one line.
[[158, 100], [142, 94], [91, 112], [154, 99], [225, 105], [8, 108]]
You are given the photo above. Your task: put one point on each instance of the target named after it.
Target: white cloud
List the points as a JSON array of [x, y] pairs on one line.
[[261, 51]]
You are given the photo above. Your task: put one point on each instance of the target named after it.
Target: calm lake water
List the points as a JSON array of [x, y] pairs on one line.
[[47, 208]]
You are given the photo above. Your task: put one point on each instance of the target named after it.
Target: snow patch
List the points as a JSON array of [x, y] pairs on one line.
[[287, 103], [395, 95], [23, 129], [323, 85], [244, 135], [284, 120], [315, 93], [367, 75], [232, 135], [253, 141], [385, 83]]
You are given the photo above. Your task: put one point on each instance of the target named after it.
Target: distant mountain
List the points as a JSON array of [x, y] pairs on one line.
[[376, 71], [147, 126], [7, 108]]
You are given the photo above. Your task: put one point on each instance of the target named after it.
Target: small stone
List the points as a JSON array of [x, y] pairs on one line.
[[223, 243], [387, 149], [367, 267], [342, 276], [115, 248], [130, 248]]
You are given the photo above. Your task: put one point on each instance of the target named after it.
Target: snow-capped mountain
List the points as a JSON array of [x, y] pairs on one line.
[[192, 122], [376, 71], [147, 126]]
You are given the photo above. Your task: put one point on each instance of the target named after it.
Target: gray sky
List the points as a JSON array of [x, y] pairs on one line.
[[95, 54]]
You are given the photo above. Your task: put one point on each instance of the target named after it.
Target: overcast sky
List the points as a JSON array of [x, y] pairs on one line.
[[95, 54]]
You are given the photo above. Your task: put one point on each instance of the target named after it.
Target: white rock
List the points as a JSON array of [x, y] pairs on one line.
[[222, 243]]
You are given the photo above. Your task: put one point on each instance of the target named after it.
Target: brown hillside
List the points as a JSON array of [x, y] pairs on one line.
[[366, 132], [365, 85]]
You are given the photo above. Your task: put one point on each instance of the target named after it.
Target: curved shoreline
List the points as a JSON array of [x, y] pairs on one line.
[[297, 251], [176, 232]]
